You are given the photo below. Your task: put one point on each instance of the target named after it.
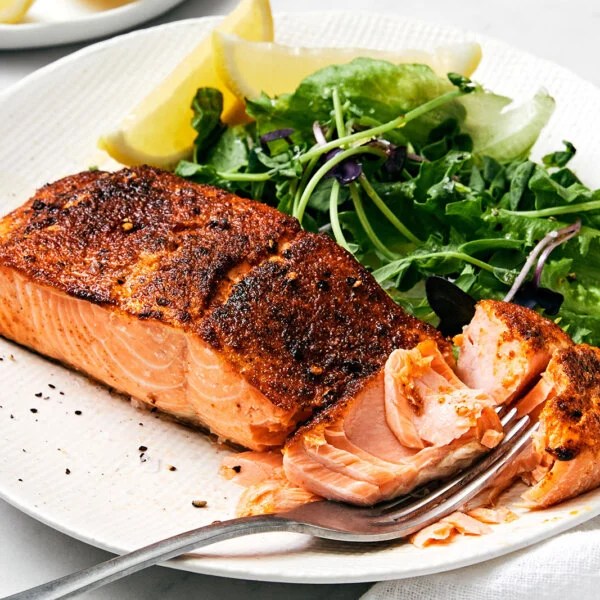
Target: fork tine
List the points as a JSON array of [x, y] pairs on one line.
[[431, 491], [507, 415], [428, 511], [461, 479]]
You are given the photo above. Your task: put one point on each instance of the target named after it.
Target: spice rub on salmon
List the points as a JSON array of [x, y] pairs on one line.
[[566, 446], [215, 309]]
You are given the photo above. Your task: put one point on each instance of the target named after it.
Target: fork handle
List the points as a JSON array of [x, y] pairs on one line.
[[121, 566]]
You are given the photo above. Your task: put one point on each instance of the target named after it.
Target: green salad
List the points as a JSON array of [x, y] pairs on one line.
[[417, 175]]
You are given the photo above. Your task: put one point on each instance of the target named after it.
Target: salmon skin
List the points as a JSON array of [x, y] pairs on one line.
[[214, 309]]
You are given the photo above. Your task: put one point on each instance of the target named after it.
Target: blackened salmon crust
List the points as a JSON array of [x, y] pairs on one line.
[[310, 326], [294, 313]]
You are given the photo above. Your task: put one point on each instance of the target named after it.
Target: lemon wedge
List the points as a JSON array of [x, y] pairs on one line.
[[158, 131], [249, 68], [13, 11]]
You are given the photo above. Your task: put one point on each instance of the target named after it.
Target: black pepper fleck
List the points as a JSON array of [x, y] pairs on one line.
[[143, 448], [33, 410], [172, 468], [78, 412], [67, 471], [38, 395], [237, 468]]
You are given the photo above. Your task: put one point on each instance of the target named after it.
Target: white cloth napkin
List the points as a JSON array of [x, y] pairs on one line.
[[566, 567]]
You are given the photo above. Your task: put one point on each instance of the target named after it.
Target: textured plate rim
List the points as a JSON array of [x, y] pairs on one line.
[[56, 33], [197, 565]]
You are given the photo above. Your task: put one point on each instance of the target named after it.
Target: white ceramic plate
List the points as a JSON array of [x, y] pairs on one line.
[[55, 22], [49, 124]]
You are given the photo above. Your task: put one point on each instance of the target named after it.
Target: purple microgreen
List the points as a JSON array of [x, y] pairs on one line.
[[531, 295], [396, 161], [453, 306], [347, 171], [383, 144], [277, 134], [396, 156], [331, 154]]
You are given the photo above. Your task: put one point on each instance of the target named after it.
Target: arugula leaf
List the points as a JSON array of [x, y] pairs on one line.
[[549, 192], [230, 152], [207, 107], [519, 183], [560, 158]]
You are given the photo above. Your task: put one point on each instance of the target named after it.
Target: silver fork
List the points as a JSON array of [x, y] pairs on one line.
[[331, 520]]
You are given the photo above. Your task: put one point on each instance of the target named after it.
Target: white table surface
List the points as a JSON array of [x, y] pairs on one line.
[[565, 31]]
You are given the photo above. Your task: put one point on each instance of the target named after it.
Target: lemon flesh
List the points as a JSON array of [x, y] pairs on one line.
[[13, 11], [249, 68], [158, 131]]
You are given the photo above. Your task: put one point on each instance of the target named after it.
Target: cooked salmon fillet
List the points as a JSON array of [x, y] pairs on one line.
[[567, 444], [505, 348], [413, 422], [217, 310]]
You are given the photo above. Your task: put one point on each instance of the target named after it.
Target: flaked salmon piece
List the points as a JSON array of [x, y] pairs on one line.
[[567, 442], [214, 309], [466, 524], [505, 348], [446, 529], [493, 516], [267, 488], [251, 468], [426, 403], [351, 453], [275, 494], [441, 532]]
